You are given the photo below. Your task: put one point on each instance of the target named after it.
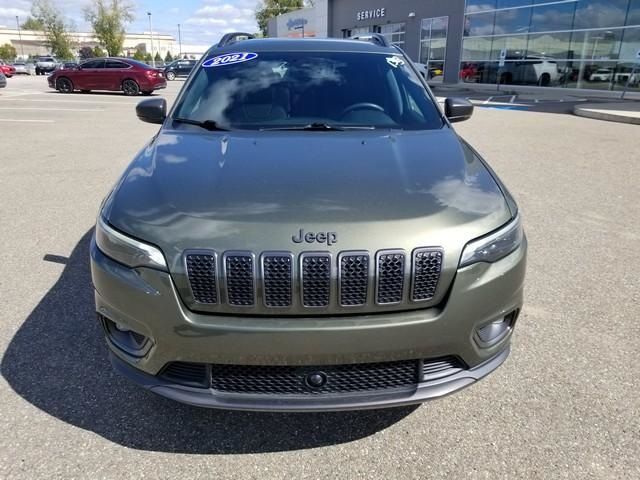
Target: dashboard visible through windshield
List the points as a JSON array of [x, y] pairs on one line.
[[327, 90]]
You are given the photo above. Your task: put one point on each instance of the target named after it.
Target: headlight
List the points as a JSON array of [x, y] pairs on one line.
[[494, 246], [126, 250]]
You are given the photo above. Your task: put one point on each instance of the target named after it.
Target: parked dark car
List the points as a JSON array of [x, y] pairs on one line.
[[3, 80], [179, 68], [113, 74]]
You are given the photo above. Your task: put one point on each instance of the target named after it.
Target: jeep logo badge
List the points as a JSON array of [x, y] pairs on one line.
[[310, 237]]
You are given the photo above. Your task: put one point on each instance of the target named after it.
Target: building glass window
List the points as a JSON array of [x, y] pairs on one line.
[[480, 5], [479, 24], [600, 13], [575, 44], [515, 20], [549, 18], [513, 3], [633, 17], [393, 32], [433, 45]]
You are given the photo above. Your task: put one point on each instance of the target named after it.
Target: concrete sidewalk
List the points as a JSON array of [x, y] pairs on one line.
[[627, 112]]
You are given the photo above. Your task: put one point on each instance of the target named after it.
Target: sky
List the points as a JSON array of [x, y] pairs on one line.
[[202, 22]]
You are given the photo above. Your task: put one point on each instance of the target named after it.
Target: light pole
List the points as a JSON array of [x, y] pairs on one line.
[[153, 59], [179, 42], [20, 36]]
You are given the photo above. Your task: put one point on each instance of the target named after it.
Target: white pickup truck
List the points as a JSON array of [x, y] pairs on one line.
[[45, 65]]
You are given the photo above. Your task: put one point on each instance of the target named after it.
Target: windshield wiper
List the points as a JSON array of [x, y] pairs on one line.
[[318, 127], [210, 125]]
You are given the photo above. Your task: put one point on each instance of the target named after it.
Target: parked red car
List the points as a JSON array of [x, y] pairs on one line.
[[469, 73], [8, 70], [113, 74]]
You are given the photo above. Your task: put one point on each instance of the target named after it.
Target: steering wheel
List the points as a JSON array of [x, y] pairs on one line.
[[361, 106]]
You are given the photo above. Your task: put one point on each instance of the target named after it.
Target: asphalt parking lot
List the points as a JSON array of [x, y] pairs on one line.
[[564, 405]]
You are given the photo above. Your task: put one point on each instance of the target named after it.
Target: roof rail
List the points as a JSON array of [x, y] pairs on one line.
[[376, 38], [233, 37]]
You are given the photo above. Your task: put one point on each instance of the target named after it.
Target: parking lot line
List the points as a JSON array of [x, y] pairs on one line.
[[55, 109], [101, 102], [24, 121]]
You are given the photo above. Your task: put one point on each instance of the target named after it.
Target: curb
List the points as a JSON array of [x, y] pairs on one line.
[[598, 112]]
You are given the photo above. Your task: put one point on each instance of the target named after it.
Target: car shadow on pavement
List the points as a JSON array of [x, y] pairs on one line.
[[58, 362]]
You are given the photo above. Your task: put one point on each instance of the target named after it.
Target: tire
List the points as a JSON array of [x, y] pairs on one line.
[[146, 93], [171, 75], [545, 80], [64, 85], [37, 71], [130, 88], [505, 79]]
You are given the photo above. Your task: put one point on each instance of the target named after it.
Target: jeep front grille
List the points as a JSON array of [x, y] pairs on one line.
[[277, 277], [390, 276], [313, 280], [201, 269], [291, 380], [316, 279], [294, 380], [354, 279], [240, 278]]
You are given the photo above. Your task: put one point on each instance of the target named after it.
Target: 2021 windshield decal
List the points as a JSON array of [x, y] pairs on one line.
[[395, 61], [229, 59]]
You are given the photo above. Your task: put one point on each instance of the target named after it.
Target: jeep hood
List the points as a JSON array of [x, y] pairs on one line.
[[255, 190]]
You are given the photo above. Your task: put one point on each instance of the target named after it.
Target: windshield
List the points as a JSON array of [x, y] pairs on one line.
[[245, 90]]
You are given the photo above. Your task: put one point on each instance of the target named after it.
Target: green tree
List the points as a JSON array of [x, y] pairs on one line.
[[7, 52], [32, 24], [98, 52], [139, 55], [55, 28], [271, 8], [148, 58], [157, 58], [168, 57], [108, 19], [86, 52]]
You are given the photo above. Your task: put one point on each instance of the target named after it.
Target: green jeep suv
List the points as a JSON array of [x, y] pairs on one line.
[[306, 231]]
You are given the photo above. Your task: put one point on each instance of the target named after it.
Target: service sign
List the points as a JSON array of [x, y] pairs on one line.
[[373, 13]]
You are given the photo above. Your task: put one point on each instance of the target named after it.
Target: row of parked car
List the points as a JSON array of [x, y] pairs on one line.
[[110, 73]]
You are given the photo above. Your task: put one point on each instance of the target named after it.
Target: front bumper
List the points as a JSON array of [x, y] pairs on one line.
[[201, 397], [146, 301]]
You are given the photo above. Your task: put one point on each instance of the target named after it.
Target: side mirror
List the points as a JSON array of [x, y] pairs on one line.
[[153, 110], [458, 109]]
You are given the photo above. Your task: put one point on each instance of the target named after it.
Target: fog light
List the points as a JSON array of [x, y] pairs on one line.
[[495, 331], [133, 343]]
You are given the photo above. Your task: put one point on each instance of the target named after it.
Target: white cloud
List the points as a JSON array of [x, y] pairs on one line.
[[214, 18]]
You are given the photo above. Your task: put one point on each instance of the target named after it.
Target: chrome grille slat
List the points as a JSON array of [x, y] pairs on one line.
[[427, 266], [390, 273], [240, 278], [316, 279], [277, 279], [353, 278]]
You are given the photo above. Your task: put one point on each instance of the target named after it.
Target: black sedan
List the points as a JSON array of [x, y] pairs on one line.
[[179, 68]]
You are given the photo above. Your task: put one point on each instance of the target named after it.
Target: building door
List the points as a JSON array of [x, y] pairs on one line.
[[433, 46]]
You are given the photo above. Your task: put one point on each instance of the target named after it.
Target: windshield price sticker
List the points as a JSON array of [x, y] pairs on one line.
[[229, 59]]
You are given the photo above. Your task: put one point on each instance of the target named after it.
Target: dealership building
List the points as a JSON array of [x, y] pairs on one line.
[[587, 44]]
